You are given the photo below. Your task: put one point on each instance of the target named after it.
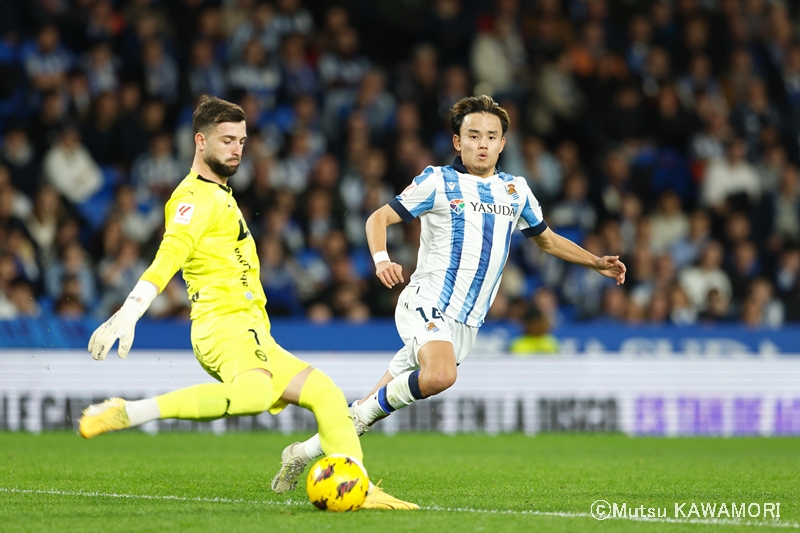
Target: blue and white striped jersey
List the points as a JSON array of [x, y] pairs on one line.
[[466, 234]]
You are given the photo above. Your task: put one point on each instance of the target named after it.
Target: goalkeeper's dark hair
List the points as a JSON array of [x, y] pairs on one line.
[[476, 104], [211, 111]]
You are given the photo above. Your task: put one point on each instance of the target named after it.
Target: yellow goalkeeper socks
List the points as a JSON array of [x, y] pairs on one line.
[[321, 396], [249, 394]]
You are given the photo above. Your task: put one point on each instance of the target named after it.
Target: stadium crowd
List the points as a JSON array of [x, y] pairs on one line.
[[667, 132]]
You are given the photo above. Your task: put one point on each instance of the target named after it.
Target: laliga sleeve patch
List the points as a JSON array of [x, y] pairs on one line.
[[184, 213], [408, 190]]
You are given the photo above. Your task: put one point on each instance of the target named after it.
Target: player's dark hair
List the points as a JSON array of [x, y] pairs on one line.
[[476, 104], [211, 111]]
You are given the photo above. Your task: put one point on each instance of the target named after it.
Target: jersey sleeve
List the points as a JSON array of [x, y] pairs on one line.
[[187, 218], [531, 221], [417, 197]]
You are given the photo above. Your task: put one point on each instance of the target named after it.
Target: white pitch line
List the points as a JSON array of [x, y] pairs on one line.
[[557, 514], [149, 497]]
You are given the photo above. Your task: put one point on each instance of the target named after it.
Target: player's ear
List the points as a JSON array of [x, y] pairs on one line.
[[502, 144], [457, 142], [200, 140]]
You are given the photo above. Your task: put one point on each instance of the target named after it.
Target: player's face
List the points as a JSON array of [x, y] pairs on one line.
[[480, 143], [223, 148]]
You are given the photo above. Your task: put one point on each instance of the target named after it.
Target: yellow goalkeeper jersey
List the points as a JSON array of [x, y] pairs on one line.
[[207, 237]]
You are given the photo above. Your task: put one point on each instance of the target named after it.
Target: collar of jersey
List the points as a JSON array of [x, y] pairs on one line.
[[458, 166], [221, 186]]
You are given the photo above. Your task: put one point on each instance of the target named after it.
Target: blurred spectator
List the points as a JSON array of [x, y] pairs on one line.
[[43, 222], [753, 115], [707, 276], [259, 25], [256, 74], [300, 78], [560, 99], [786, 206], [343, 67], [23, 297], [536, 337], [671, 125], [137, 224], [156, 172], [24, 253], [498, 56], [730, 176], [72, 274], [46, 60], [206, 74], [292, 17], [278, 277], [542, 170], [688, 249], [574, 211], [19, 156], [70, 169], [682, 312], [117, 274], [45, 127], [668, 224], [585, 292], [101, 133], [160, 72], [716, 309], [102, 68]]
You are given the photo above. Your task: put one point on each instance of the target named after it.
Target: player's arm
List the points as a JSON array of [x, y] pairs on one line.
[[185, 223], [418, 198], [610, 266], [388, 272]]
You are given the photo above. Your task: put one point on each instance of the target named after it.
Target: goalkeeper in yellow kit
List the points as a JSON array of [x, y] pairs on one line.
[[206, 236]]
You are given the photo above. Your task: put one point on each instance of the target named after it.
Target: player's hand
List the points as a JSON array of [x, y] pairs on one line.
[[389, 273], [611, 267], [119, 326]]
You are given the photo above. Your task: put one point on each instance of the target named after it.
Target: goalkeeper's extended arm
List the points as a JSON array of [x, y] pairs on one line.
[[121, 325]]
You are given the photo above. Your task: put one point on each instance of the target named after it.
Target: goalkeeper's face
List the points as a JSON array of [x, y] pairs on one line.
[[480, 143], [223, 148]]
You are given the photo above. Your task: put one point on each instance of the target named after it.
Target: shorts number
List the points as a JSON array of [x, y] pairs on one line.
[[435, 315]]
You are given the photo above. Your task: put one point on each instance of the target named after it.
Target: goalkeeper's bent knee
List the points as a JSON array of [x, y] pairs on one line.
[[254, 395], [321, 396]]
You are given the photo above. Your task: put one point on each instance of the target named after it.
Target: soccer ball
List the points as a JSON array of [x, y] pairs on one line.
[[337, 483]]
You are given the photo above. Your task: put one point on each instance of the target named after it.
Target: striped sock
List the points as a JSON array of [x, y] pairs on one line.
[[398, 393]]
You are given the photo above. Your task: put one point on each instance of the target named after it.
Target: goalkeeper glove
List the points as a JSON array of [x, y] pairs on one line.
[[121, 325]]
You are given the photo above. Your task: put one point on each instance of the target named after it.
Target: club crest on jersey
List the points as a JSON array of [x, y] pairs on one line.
[[457, 205], [512, 191], [184, 213], [431, 327]]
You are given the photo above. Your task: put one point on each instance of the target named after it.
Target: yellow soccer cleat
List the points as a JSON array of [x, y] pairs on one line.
[[104, 417], [379, 499]]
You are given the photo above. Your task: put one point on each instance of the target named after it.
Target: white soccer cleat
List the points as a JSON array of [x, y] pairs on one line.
[[293, 462], [361, 426]]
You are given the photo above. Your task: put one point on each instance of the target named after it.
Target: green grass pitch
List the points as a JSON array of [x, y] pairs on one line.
[[202, 482]]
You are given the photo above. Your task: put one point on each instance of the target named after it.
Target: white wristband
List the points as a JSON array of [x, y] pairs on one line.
[[381, 256], [141, 297]]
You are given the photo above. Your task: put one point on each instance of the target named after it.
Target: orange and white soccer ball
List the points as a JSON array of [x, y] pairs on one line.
[[337, 483]]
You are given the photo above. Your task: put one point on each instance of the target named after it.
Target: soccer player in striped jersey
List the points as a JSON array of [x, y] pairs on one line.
[[207, 238], [468, 210]]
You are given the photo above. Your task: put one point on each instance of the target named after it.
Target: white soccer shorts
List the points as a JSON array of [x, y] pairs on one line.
[[419, 321]]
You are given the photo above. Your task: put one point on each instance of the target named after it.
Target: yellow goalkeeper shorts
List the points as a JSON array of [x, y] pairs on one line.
[[230, 344]]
